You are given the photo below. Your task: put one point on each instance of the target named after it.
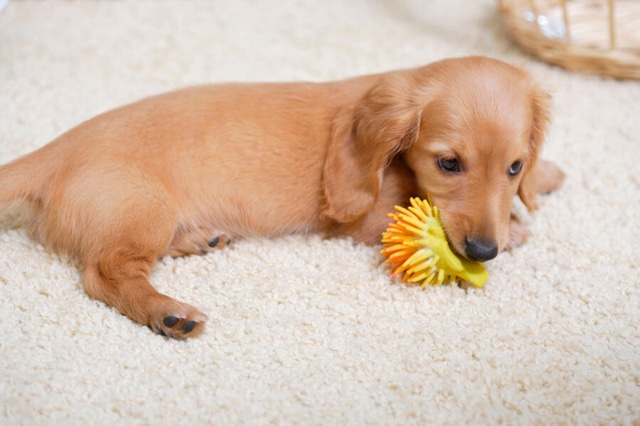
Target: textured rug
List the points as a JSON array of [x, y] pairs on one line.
[[306, 330]]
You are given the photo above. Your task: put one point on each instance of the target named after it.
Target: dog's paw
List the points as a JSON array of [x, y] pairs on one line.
[[518, 233], [219, 241], [177, 320], [197, 241], [549, 176]]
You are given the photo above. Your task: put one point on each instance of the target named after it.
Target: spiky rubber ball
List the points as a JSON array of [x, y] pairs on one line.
[[416, 247]]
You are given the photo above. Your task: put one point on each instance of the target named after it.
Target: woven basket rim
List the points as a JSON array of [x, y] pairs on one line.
[[617, 62]]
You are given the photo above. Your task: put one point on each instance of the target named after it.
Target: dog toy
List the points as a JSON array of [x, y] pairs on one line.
[[416, 246]]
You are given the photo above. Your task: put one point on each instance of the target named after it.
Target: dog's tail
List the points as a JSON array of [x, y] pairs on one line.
[[21, 179]]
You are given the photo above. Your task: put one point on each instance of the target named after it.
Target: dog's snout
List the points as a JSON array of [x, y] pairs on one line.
[[480, 250]]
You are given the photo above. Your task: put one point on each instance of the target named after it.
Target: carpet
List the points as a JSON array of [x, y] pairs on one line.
[[303, 329]]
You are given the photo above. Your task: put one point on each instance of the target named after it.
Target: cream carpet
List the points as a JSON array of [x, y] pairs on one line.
[[305, 330]]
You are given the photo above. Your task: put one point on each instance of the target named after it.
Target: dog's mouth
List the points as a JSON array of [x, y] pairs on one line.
[[449, 242], [456, 251], [454, 248]]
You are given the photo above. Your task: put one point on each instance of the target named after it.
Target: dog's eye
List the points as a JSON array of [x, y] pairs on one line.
[[515, 168], [449, 165]]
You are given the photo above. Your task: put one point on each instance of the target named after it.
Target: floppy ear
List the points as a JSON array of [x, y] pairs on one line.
[[540, 118], [365, 138]]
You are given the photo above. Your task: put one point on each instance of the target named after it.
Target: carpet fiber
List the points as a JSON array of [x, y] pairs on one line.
[[306, 330]]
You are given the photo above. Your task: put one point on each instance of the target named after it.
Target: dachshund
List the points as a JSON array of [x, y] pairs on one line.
[[185, 172]]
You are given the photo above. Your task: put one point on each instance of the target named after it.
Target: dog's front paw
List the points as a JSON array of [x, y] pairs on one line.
[[518, 233], [548, 176], [177, 320]]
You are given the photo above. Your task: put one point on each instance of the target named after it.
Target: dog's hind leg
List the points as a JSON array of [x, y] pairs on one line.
[[120, 279], [122, 236]]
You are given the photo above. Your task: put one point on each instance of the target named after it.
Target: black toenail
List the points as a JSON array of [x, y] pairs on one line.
[[170, 321], [162, 333], [228, 241], [189, 326], [214, 242]]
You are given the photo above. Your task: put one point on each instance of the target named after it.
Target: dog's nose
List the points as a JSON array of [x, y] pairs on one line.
[[480, 250]]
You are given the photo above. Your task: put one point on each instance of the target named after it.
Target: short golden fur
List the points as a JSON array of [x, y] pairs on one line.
[[182, 172]]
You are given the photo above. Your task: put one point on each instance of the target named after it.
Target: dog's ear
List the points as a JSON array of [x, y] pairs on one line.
[[365, 138], [527, 191]]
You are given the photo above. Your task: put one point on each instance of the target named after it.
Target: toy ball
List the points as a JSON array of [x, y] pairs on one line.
[[416, 247]]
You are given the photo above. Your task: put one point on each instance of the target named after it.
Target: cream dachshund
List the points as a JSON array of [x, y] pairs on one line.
[[184, 172]]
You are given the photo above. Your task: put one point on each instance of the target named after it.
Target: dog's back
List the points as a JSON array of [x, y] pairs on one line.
[[202, 148]]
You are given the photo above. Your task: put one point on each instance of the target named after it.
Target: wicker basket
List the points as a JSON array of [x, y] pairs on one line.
[[592, 36]]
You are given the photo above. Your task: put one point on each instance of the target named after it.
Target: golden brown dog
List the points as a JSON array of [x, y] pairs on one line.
[[182, 172]]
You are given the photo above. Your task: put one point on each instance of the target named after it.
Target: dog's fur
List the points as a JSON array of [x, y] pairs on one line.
[[183, 172]]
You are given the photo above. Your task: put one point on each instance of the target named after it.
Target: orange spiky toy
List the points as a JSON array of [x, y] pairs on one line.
[[416, 247]]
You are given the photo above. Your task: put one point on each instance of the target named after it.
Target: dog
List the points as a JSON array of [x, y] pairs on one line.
[[185, 172]]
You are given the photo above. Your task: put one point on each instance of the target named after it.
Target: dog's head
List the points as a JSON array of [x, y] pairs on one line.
[[469, 129]]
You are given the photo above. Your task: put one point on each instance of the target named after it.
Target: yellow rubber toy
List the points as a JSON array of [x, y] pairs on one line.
[[416, 246]]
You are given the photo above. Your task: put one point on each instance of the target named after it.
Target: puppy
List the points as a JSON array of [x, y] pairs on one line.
[[184, 172]]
